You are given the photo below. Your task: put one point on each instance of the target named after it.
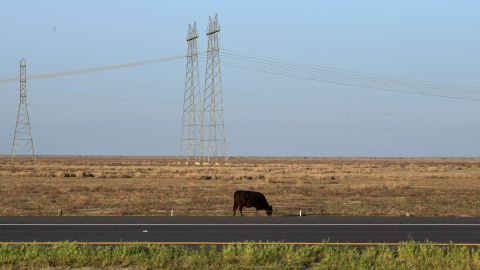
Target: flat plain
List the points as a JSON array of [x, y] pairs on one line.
[[318, 186]]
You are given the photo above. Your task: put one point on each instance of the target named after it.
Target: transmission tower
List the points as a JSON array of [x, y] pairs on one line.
[[190, 140], [213, 139], [22, 138]]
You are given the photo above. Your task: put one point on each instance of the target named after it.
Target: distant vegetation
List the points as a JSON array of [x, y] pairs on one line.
[[245, 256], [318, 186]]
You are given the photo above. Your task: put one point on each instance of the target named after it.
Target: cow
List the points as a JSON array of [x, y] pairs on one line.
[[246, 198]]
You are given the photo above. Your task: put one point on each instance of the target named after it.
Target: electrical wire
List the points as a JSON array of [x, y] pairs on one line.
[[357, 78], [309, 72], [350, 72], [300, 71], [382, 88], [96, 69]]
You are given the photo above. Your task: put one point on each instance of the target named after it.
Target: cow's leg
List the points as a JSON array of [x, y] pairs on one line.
[[241, 210], [235, 206]]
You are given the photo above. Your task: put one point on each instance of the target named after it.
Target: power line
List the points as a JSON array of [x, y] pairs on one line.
[[97, 69], [356, 78], [378, 87], [302, 71], [350, 72], [351, 79], [347, 77]]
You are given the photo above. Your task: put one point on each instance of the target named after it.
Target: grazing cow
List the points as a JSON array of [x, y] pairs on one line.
[[245, 198]]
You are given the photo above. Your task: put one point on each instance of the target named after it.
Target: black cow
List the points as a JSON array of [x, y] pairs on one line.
[[245, 198]]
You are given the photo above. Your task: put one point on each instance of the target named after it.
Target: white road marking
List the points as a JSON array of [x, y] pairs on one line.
[[241, 224]]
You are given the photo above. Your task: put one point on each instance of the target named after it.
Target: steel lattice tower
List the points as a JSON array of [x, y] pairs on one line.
[[213, 139], [22, 138], [190, 140]]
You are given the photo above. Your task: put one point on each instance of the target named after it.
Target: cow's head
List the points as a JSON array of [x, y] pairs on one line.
[[269, 210]]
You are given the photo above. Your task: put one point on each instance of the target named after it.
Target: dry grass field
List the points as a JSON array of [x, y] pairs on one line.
[[320, 186]]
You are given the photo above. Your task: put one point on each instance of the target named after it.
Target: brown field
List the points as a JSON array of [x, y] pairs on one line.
[[320, 186]]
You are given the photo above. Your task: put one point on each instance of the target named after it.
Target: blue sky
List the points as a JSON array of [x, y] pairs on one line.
[[138, 111]]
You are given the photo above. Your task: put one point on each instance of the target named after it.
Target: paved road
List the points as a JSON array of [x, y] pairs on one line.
[[232, 229]]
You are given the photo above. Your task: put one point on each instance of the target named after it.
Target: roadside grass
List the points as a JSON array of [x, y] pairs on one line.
[[409, 255], [317, 186]]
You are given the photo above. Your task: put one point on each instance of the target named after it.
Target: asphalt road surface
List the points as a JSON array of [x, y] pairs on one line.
[[233, 229]]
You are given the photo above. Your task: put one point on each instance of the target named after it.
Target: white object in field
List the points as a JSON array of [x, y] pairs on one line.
[[300, 212], [144, 231], [171, 213]]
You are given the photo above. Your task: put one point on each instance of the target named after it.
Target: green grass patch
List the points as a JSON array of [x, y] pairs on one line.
[[409, 255]]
